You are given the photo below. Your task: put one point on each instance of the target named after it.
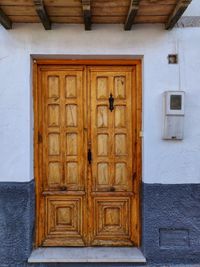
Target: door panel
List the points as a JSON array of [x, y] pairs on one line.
[[63, 135], [64, 152], [83, 109], [111, 131], [64, 221], [112, 221], [112, 154]]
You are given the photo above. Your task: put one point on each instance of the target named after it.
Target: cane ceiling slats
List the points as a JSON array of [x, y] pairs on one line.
[[88, 12]]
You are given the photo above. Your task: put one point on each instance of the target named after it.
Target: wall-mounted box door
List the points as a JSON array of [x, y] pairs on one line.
[[174, 110]]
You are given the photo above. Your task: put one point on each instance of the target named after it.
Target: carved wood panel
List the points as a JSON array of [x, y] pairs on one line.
[[83, 204], [64, 221], [64, 152], [111, 131], [63, 133], [112, 147], [112, 221]]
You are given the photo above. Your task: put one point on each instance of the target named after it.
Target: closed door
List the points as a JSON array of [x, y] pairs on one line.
[[87, 185]]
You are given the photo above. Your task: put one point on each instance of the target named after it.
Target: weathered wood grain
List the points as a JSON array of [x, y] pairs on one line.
[[87, 15], [78, 204], [176, 14], [99, 11], [133, 9], [42, 13], [5, 20]]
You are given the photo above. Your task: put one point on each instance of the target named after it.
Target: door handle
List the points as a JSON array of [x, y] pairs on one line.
[[89, 156]]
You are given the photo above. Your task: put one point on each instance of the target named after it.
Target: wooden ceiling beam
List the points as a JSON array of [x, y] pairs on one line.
[[42, 13], [5, 21], [176, 14], [133, 9], [86, 5]]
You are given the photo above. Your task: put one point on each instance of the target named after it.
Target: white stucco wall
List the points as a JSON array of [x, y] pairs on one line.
[[163, 161], [193, 9]]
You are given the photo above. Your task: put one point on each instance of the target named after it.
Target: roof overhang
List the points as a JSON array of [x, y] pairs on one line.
[[88, 12]]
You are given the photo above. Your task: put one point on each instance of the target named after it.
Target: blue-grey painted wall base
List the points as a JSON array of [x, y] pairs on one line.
[[16, 222], [170, 225]]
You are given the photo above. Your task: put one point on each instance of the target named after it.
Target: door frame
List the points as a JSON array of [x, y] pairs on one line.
[[38, 64]]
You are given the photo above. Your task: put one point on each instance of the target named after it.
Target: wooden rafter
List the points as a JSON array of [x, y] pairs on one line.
[[176, 14], [42, 13], [133, 9], [5, 21], [86, 5]]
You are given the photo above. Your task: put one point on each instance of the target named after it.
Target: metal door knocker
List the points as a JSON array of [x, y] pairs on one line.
[[111, 102]]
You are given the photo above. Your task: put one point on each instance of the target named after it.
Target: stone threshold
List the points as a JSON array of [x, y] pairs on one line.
[[87, 254]]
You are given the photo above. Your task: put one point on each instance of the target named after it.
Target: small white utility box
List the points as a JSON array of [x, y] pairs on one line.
[[174, 111]]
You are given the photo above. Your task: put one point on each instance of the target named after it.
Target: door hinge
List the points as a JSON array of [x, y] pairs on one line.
[[89, 156], [39, 138]]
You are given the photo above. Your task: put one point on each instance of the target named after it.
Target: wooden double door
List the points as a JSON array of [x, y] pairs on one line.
[[87, 156]]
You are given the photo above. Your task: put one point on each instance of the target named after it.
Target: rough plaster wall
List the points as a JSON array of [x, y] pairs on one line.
[[16, 223], [163, 161], [171, 223]]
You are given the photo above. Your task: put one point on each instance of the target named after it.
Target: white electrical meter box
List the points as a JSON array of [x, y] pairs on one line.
[[174, 111]]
